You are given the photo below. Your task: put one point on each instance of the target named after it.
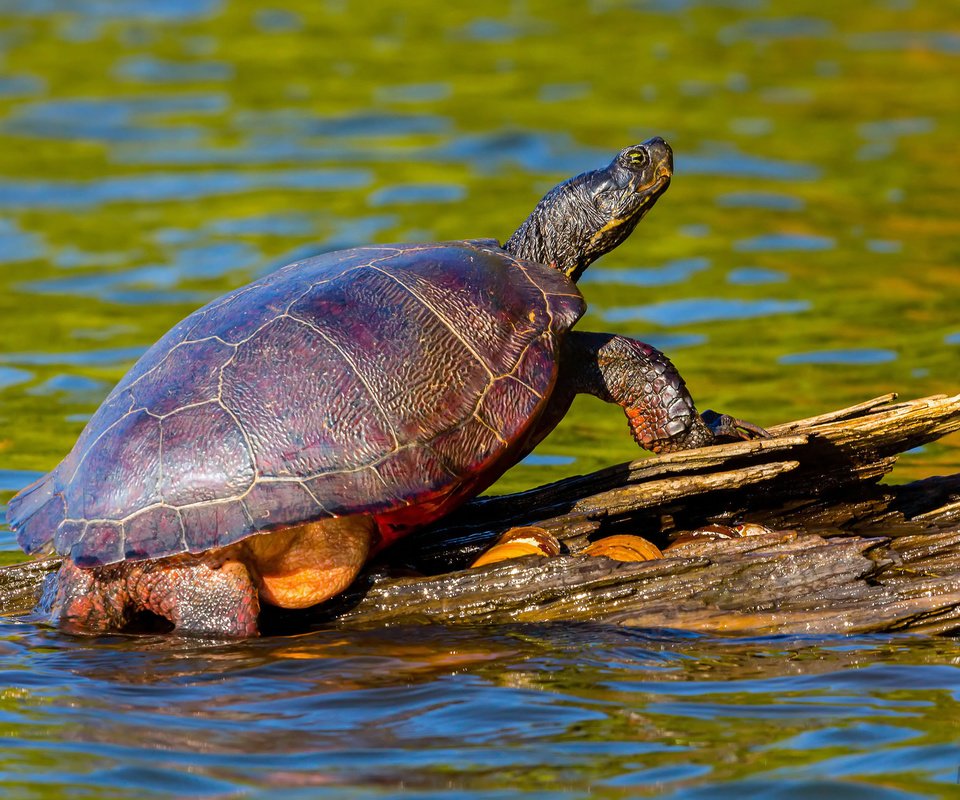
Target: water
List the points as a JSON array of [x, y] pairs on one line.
[[549, 711], [154, 155]]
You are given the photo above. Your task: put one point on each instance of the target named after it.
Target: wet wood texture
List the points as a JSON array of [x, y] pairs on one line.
[[843, 554]]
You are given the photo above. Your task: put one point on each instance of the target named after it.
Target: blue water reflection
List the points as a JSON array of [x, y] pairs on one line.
[[774, 242], [185, 186], [156, 283], [77, 388], [154, 70], [10, 376], [113, 120], [17, 245], [674, 271], [411, 194], [12, 480], [841, 356], [106, 357], [937, 41], [769, 200], [726, 160], [755, 276], [169, 10], [707, 309]]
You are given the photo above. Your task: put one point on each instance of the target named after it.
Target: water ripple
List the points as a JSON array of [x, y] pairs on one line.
[[112, 120], [706, 309], [15, 245], [841, 356], [154, 70], [728, 161], [770, 200], [10, 376], [755, 276], [778, 242], [168, 10], [166, 186], [414, 193], [946, 42], [674, 271], [107, 357], [17, 85], [13, 480], [776, 29]]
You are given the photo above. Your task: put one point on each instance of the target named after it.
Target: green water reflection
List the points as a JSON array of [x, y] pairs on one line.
[[156, 154]]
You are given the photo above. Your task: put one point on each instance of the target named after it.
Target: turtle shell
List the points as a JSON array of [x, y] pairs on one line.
[[394, 381]]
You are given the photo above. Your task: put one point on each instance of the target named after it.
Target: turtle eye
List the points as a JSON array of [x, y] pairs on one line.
[[638, 158]]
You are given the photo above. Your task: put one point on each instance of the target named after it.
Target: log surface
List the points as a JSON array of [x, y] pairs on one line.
[[845, 554]]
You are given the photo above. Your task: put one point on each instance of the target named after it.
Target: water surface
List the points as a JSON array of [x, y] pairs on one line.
[[154, 155]]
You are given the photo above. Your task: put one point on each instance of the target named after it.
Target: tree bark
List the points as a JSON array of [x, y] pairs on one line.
[[841, 553]]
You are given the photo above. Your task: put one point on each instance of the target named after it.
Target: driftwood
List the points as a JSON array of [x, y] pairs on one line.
[[842, 553]]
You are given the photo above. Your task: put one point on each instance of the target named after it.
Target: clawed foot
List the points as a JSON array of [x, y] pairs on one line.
[[730, 429]]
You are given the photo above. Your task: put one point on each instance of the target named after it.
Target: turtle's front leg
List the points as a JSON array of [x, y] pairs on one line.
[[642, 380]]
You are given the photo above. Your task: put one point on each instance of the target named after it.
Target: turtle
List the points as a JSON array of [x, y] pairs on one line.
[[274, 440]]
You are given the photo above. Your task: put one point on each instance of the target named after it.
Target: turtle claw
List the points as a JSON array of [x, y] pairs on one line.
[[730, 429]]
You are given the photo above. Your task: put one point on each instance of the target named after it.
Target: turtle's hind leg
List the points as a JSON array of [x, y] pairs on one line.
[[194, 595]]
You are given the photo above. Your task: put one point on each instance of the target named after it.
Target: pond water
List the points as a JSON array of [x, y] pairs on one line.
[[155, 154]]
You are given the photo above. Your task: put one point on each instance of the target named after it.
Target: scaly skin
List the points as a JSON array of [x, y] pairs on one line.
[[217, 592], [643, 381], [199, 595]]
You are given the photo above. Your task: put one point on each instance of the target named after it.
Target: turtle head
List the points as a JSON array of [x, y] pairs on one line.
[[581, 219]]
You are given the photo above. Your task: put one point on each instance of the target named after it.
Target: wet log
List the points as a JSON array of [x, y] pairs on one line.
[[842, 552]]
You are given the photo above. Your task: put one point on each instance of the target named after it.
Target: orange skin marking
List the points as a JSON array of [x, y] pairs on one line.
[[301, 566]]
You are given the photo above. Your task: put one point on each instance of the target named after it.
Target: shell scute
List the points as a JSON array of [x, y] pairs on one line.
[[306, 411], [276, 503], [204, 456], [533, 363], [190, 374], [413, 470], [101, 537], [69, 532], [505, 400], [47, 513], [338, 491], [119, 471], [415, 395], [149, 531], [472, 436], [564, 301], [214, 525], [494, 332]]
